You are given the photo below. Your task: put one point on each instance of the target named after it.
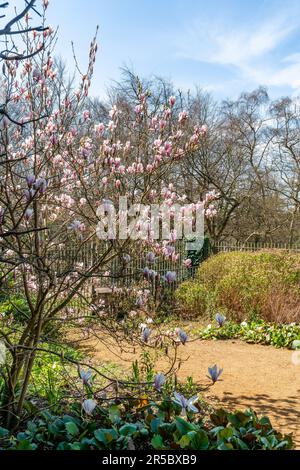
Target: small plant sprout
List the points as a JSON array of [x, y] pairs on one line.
[[220, 319], [187, 404], [89, 406], [159, 381], [86, 376], [214, 373], [182, 336]]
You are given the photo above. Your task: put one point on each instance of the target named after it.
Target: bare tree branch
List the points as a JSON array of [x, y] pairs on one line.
[[8, 32]]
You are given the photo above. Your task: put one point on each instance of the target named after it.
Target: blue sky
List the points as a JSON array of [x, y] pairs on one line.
[[224, 46]]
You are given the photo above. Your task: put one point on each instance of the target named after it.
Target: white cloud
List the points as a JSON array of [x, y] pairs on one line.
[[247, 47], [286, 76]]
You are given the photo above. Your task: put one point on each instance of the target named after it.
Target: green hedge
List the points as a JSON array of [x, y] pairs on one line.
[[262, 284]]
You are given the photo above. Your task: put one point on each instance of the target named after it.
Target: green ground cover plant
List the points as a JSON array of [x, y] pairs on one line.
[[258, 332], [158, 425]]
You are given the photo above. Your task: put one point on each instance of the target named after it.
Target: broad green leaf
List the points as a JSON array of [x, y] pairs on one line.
[[157, 442], [31, 427], [264, 421], [106, 435], [53, 429], [282, 444], [128, 429], [225, 433], [4, 432], [25, 445], [184, 441], [219, 418], [200, 440], [240, 444], [265, 443], [225, 446], [72, 428], [238, 419], [63, 446], [155, 423], [75, 446], [183, 426]]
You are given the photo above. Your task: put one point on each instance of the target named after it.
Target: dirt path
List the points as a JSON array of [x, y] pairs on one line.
[[260, 377]]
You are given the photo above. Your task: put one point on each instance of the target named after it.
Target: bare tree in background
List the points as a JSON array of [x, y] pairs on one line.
[[285, 157], [17, 26]]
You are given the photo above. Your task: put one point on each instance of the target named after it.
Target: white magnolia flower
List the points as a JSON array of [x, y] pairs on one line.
[[86, 376], [187, 404], [88, 406]]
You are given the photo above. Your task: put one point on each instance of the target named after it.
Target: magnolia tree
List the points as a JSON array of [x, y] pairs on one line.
[[60, 176]]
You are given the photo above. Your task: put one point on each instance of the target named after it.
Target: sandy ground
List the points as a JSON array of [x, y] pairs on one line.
[[260, 377]]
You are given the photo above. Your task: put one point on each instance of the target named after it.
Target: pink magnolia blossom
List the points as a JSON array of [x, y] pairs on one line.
[[187, 263], [149, 168], [172, 101], [154, 122], [204, 130], [140, 168], [139, 109], [113, 113], [168, 148], [162, 124], [182, 117], [111, 126], [86, 115], [100, 128]]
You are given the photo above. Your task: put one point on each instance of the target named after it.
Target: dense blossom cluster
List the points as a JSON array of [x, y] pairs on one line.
[[62, 165]]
